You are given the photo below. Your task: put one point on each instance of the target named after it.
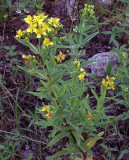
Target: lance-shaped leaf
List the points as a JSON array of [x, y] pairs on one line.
[[32, 47], [91, 142], [88, 38], [57, 138]]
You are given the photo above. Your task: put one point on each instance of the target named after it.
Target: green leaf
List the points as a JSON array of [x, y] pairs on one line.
[[57, 138], [64, 151], [88, 38], [107, 32], [119, 117], [50, 158], [91, 142], [0, 79], [78, 137], [96, 96], [42, 123], [85, 148], [109, 68], [44, 84], [86, 103], [36, 73], [115, 43], [62, 91], [70, 96], [62, 46], [123, 153], [13, 47], [55, 80], [2, 147], [28, 44], [41, 95], [7, 47], [29, 157], [126, 116]]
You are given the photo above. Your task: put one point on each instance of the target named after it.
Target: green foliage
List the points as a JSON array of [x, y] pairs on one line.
[[62, 85], [36, 5], [5, 5], [109, 68], [11, 56], [122, 74], [7, 150], [64, 89], [121, 28]]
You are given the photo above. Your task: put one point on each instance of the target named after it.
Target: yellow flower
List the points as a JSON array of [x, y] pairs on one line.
[[37, 20], [58, 59], [42, 16], [110, 81], [55, 22], [28, 19], [47, 42], [82, 70], [45, 108], [24, 56], [62, 56], [112, 86], [105, 83], [32, 27], [81, 76], [46, 26], [50, 21], [49, 114], [110, 78], [33, 57], [19, 33], [40, 32], [77, 63], [89, 116]]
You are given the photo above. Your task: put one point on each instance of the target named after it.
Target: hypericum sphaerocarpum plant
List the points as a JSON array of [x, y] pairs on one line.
[[63, 84]]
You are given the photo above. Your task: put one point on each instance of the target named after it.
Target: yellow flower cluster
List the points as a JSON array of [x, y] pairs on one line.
[[124, 55], [28, 58], [82, 75], [47, 42], [109, 82], [61, 57], [40, 26], [46, 109], [88, 11], [77, 63]]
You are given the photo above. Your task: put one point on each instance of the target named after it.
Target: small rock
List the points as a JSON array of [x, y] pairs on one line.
[[62, 7], [106, 2], [98, 68]]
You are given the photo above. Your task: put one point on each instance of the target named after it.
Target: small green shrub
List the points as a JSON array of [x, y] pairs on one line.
[[63, 83]]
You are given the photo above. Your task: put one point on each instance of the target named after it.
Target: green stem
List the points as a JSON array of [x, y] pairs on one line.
[[101, 99], [41, 58]]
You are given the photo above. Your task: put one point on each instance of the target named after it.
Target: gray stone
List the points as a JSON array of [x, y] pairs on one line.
[[71, 6], [62, 7], [98, 68], [106, 2]]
